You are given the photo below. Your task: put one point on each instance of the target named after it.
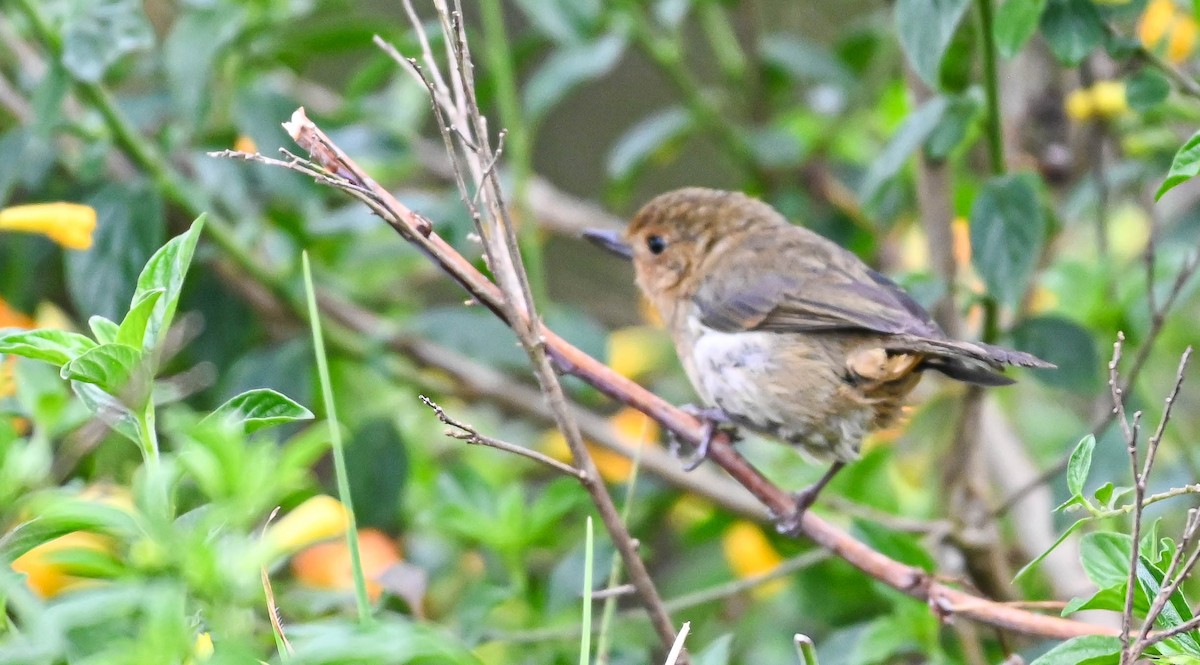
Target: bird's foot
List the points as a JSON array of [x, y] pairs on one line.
[[714, 419], [804, 499]]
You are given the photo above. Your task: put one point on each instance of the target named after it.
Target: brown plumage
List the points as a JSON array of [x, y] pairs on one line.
[[784, 331]]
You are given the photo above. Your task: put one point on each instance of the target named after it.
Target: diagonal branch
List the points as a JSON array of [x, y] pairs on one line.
[[946, 600]]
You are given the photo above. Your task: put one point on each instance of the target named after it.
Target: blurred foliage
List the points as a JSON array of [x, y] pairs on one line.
[[152, 424]]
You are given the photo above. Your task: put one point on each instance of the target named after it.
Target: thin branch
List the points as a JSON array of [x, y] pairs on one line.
[[910, 580], [471, 435]]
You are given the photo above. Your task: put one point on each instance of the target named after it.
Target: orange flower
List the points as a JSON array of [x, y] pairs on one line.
[[68, 224], [246, 144], [47, 569], [749, 553], [614, 467], [327, 565]]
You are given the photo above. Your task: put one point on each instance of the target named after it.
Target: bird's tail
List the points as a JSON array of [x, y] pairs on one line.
[[972, 362]]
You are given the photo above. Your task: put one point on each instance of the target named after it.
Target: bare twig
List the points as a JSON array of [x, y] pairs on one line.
[[912, 581], [471, 435]]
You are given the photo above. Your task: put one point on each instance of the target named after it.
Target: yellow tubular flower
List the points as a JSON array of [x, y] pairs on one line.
[[68, 224], [203, 649], [1166, 29], [749, 553], [1109, 98], [46, 573], [320, 518], [245, 144]]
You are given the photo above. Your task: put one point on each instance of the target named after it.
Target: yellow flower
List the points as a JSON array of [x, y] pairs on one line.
[[320, 518], [1166, 29], [203, 649], [749, 553], [633, 351], [47, 569], [244, 143], [1079, 105], [614, 467], [1109, 98], [68, 224]]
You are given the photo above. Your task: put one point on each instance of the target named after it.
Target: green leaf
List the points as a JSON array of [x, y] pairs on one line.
[[566, 69], [166, 271], [1008, 228], [1110, 598], [133, 328], [717, 652], [1092, 649], [110, 410], [1185, 165], [911, 134], [1068, 345], [1080, 464], [803, 61], [104, 330], [1106, 557], [256, 409], [650, 135], [564, 21], [61, 516], [377, 464], [130, 221], [99, 32], [111, 367], [1016, 21], [1146, 89], [190, 50], [954, 124], [926, 28], [1038, 559], [1072, 28], [1104, 494], [58, 347]]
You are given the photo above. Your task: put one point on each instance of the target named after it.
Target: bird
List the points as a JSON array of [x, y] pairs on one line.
[[783, 331]]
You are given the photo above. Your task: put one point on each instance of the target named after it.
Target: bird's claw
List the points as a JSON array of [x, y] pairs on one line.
[[714, 419], [789, 525]]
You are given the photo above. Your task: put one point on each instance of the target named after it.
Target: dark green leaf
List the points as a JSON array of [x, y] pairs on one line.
[[640, 142], [256, 409], [190, 50], [911, 134], [377, 463], [1094, 649], [1072, 29], [1068, 345], [1185, 165], [166, 270], [961, 112], [1008, 228], [1106, 558], [99, 32], [1080, 464], [111, 367], [568, 67], [926, 28], [129, 227], [58, 347], [1016, 21], [1146, 89]]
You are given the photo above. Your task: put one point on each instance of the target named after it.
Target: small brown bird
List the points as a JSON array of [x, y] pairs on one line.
[[784, 332]]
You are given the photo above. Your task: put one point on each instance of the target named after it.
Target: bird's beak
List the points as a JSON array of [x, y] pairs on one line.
[[610, 240]]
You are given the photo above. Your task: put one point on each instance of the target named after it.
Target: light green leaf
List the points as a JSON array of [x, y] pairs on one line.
[[1146, 89], [256, 409], [104, 330], [133, 328], [110, 410], [1016, 21], [111, 367], [566, 68], [1106, 557], [647, 137], [166, 271], [1185, 165], [1038, 559], [99, 32], [926, 28], [1080, 464], [1008, 229], [58, 347], [1072, 28], [911, 134], [1093, 649]]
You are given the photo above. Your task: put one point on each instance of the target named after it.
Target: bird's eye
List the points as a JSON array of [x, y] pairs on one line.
[[656, 244]]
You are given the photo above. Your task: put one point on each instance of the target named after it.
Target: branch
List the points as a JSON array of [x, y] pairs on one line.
[[947, 601]]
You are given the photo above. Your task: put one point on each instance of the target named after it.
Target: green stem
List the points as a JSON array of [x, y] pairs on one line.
[[995, 134], [585, 641], [516, 142], [724, 41], [339, 451]]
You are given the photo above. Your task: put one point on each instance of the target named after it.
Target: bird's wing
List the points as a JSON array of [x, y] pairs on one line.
[[811, 286]]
